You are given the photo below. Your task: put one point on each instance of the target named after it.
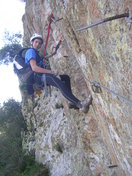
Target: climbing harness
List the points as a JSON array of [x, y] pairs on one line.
[[128, 16], [97, 88]]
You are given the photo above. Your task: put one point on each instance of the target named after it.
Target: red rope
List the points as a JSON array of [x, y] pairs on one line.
[[47, 37]]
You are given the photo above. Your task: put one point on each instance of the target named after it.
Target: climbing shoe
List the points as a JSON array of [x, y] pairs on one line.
[[73, 106], [86, 103]]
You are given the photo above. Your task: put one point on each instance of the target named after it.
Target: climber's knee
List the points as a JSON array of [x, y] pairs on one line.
[[64, 77]]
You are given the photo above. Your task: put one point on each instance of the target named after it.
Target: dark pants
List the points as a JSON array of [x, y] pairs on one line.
[[63, 84]]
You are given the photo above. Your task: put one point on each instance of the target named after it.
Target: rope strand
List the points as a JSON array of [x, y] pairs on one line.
[[47, 37], [109, 90]]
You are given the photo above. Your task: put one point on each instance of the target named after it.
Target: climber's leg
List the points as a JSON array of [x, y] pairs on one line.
[[66, 80], [65, 90], [29, 85]]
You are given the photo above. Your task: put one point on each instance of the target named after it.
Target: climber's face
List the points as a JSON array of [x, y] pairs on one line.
[[37, 43]]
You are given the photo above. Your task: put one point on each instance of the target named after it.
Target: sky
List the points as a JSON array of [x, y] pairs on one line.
[[11, 12]]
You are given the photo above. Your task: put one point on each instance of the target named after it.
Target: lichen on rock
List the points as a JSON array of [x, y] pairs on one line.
[[67, 140]]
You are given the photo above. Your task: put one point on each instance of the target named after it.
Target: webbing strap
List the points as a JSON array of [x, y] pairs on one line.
[[47, 36]]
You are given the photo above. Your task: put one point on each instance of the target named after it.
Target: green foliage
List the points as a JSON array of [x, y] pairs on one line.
[[13, 161], [12, 38], [10, 114], [11, 123], [8, 52], [31, 168], [11, 48]]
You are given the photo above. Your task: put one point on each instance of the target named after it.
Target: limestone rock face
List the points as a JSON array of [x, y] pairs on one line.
[[70, 142]]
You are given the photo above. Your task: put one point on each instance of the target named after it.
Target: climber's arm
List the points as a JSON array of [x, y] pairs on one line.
[[38, 69]]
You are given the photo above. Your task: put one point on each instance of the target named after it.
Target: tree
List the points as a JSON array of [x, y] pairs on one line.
[[11, 48], [11, 124], [12, 38], [13, 161]]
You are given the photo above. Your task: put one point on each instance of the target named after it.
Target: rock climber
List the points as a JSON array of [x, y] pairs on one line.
[[33, 60]]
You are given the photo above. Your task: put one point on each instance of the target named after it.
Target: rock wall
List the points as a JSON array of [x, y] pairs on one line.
[[70, 142]]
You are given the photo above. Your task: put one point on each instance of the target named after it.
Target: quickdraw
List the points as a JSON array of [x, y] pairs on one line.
[[55, 49], [96, 87], [52, 19]]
